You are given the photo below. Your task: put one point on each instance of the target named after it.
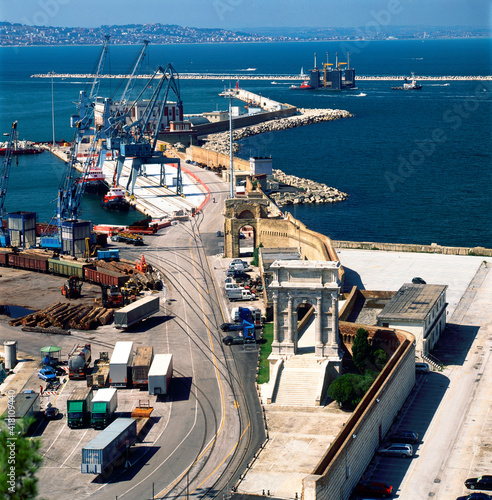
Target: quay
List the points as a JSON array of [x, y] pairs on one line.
[[235, 77]]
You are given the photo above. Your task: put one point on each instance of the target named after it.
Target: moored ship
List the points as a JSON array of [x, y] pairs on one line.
[[115, 199]]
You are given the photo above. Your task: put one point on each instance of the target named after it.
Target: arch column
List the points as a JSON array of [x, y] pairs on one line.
[[318, 341]]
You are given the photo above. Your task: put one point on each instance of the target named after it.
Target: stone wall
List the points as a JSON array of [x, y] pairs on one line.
[[340, 469], [402, 247], [214, 159]]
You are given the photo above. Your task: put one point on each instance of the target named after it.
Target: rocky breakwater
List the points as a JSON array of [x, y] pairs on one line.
[[220, 142], [303, 191]]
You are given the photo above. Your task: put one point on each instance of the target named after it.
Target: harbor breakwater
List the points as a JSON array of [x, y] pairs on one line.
[[220, 142]]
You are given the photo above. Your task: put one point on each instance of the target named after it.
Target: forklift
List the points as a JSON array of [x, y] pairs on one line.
[[72, 289]]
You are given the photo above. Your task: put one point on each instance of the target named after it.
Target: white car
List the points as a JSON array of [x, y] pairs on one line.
[[396, 450]]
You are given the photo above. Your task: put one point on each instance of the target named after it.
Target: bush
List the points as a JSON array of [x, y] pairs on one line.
[[348, 390], [361, 350]]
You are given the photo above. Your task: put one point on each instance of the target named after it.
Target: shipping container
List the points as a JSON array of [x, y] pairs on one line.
[[103, 407], [103, 276], [120, 365], [138, 311], [79, 405], [160, 374], [142, 361], [111, 253], [111, 444], [67, 267]]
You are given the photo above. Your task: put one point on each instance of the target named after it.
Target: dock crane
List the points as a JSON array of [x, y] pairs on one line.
[[4, 179], [137, 140]]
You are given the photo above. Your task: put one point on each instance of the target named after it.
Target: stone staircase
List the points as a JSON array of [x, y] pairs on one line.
[[298, 380]]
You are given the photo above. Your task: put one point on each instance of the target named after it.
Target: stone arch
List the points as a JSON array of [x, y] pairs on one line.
[[298, 282]]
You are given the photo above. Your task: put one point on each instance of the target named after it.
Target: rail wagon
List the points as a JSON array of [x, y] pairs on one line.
[[103, 276], [67, 267], [29, 261]]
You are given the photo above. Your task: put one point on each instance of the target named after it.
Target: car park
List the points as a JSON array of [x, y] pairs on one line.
[[52, 413], [409, 437], [47, 373], [230, 327], [396, 450], [240, 339], [373, 489], [418, 281], [422, 367], [479, 483]]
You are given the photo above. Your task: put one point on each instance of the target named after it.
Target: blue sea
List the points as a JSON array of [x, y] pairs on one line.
[[417, 165]]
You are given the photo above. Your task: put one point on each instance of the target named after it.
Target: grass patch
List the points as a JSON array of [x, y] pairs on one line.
[[266, 349]]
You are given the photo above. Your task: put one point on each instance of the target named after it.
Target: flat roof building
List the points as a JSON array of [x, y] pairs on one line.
[[420, 310]]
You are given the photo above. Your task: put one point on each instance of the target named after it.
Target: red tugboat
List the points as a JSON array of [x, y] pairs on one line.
[[95, 181], [305, 85], [115, 199]]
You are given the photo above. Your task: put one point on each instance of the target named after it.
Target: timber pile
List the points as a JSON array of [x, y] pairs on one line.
[[139, 281], [62, 315]]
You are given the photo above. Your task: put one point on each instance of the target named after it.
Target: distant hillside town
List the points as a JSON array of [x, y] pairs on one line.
[[21, 34]]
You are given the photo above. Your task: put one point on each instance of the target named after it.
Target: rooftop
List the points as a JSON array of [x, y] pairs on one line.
[[412, 302]]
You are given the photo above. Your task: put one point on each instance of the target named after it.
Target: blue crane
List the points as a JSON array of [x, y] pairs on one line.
[[4, 179]]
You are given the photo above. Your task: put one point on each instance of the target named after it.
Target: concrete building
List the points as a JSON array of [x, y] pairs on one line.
[[420, 310]]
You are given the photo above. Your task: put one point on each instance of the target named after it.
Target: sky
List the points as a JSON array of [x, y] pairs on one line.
[[236, 14]]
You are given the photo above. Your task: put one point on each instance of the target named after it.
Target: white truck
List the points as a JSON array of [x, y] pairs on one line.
[[160, 374], [240, 294], [137, 311], [120, 365]]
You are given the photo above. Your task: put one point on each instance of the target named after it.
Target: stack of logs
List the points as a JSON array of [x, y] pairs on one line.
[[149, 280], [63, 315]]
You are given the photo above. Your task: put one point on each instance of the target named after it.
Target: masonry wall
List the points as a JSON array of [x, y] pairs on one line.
[[345, 461]]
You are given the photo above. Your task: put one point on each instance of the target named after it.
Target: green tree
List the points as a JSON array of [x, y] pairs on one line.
[[348, 390], [19, 461], [361, 350], [379, 357]]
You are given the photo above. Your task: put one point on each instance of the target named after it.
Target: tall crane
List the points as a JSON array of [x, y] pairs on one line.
[[4, 179], [137, 140]]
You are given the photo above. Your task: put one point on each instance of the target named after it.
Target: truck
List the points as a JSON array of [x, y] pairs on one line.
[[142, 361], [240, 294], [107, 449], [79, 407], [160, 374], [120, 364], [79, 360], [138, 311], [99, 377], [253, 314], [103, 406], [26, 405]]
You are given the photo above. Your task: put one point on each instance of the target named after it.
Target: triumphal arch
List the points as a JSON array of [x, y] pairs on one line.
[[305, 282]]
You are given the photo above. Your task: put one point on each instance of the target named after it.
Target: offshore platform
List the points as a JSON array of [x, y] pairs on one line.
[[337, 76]]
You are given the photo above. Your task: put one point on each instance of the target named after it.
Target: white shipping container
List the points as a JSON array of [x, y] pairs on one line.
[[120, 364], [160, 374]]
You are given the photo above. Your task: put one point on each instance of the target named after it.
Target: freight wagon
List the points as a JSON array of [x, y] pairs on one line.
[[29, 261], [4, 258], [106, 450], [67, 267], [103, 276]]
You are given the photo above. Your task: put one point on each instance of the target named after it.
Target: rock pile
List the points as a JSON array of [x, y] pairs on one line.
[[220, 142], [306, 191]]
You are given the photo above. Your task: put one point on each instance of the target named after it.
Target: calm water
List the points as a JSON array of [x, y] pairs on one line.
[[415, 164]]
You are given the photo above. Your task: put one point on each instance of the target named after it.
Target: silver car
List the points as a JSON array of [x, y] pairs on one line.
[[396, 450]]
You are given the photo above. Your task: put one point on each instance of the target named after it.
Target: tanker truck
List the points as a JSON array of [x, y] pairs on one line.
[[79, 360]]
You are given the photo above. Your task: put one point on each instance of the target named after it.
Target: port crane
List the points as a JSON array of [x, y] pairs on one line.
[[137, 140], [4, 179]]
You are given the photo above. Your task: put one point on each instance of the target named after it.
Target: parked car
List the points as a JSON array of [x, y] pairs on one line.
[[396, 450], [418, 281], [47, 373], [476, 496], [239, 261], [238, 275], [404, 437], [230, 327], [374, 489], [479, 483], [422, 367], [51, 413], [230, 340]]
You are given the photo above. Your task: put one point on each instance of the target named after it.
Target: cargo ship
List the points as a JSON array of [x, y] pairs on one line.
[[22, 148]]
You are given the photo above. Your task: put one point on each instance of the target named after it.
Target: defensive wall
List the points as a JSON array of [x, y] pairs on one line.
[[405, 247], [214, 159]]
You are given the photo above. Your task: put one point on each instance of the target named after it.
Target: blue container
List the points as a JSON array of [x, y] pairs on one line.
[[108, 446], [113, 253]]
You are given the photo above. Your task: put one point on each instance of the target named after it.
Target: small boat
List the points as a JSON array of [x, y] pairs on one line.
[[413, 85], [95, 182], [115, 199], [305, 85]]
